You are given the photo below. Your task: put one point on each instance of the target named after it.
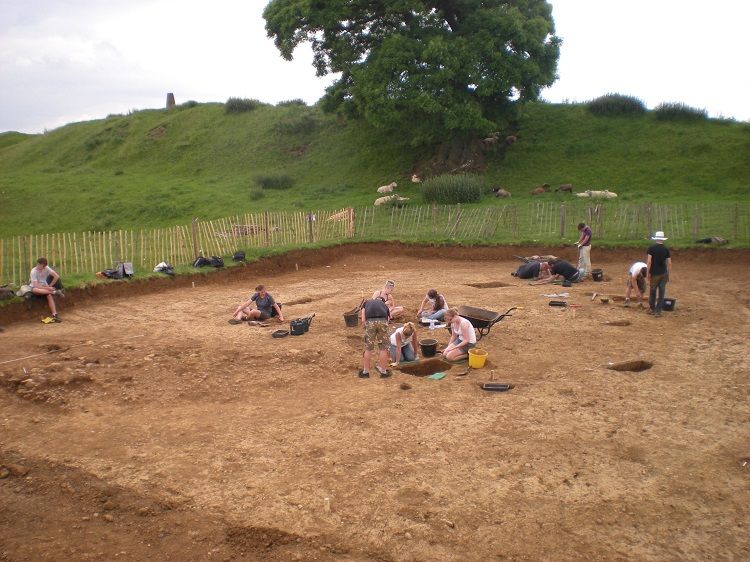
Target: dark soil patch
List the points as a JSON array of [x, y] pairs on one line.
[[636, 366], [489, 285], [426, 367]]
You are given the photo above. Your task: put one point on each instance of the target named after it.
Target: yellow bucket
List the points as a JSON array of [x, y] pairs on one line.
[[477, 357]]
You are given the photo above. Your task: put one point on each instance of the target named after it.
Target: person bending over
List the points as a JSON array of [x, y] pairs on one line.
[[463, 336], [375, 319], [43, 278], [433, 306], [266, 307], [532, 270], [636, 282], [386, 293], [561, 269]]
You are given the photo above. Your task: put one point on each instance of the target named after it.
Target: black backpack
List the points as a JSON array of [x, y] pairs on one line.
[[200, 261], [216, 261], [238, 256]]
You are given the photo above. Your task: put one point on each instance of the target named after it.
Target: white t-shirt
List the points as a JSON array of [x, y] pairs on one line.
[[404, 339], [465, 324], [40, 276], [635, 269]]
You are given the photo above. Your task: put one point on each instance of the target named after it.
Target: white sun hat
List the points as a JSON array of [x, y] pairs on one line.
[[659, 236]]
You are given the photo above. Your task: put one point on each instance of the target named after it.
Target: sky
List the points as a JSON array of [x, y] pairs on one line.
[[64, 61]]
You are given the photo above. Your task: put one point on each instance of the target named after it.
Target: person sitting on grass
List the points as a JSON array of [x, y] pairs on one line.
[[636, 281], [266, 307], [561, 269], [463, 336], [433, 306], [43, 280], [404, 342], [386, 293]]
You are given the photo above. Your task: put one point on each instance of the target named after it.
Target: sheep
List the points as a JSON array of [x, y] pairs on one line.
[[387, 188], [501, 192], [567, 187], [388, 198], [541, 189], [510, 139], [605, 194], [416, 179]]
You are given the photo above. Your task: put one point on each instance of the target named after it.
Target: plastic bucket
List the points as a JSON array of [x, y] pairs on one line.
[[429, 348], [477, 357], [669, 304], [597, 274], [296, 327], [351, 319]]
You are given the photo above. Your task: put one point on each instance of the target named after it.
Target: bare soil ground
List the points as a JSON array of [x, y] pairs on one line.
[[154, 430]]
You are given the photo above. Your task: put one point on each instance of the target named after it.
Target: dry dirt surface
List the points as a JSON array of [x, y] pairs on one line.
[[145, 427]]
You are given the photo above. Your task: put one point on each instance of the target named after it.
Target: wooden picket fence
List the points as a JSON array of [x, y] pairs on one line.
[[529, 222]]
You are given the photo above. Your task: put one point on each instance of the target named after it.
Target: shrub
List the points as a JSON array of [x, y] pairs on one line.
[[679, 112], [188, 104], [241, 105], [256, 194], [611, 105], [449, 189], [274, 181], [296, 101]]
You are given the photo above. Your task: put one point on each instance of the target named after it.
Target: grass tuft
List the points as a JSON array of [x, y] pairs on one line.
[[449, 189], [613, 105]]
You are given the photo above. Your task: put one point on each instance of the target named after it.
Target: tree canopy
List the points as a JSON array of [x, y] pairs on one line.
[[434, 70]]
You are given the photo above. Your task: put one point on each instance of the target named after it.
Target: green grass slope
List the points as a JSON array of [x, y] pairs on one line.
[[159, 167]]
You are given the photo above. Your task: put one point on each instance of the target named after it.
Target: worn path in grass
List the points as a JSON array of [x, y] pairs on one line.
[[171, 434]]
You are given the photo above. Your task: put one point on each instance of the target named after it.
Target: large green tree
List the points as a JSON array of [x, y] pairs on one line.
[[435, 70]]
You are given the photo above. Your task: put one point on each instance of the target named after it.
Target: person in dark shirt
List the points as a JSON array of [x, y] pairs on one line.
[[561, 269], [375, 315], [659, 265], [532, 270], [266, 307]]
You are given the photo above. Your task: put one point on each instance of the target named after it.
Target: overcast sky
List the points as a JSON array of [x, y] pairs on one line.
[[73, 60]]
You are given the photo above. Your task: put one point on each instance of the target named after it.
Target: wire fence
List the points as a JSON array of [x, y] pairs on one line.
[[537, 222]]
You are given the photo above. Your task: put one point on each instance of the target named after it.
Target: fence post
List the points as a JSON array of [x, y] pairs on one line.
[[194, 236], [514, 223], [696, 221], [736, 229], [562, 220], [434, 218], [266, 227]]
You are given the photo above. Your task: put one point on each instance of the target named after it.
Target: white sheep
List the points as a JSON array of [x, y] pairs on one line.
[[598, 194], [416, 179], [387, 188], [388, 198]]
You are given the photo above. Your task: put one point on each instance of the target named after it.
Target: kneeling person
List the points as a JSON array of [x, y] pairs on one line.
[[561, 269], [463, 336], [636, 281], [404, 342]]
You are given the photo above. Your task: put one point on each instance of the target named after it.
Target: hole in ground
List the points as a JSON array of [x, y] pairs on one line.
[[489, 285], [426, 367], [637, 366]]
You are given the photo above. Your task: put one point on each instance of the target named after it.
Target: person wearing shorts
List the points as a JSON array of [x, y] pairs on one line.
[[463, 336], [43, 280], [375, 316], [386, 293], [637, 282], [266, 307]]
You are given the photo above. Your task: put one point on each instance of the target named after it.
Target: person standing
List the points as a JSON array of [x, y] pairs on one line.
[[375, 316], [584, 250], [636, 282], [659, 265], [43, 280]]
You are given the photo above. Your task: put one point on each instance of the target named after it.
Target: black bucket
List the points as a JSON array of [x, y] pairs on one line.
[[597, 274], [429, 348], [669, 304], [306, 321], [297, 327], [351, 318]]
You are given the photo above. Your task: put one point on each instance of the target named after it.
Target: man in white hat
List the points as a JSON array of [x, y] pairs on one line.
[[659, 264]]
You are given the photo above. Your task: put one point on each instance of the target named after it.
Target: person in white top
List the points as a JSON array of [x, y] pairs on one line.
[[404, 342], [42, 279], [636, 281], [433, 306], [463, 336]]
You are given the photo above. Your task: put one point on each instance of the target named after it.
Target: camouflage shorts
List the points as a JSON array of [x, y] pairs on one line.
[[376, 332]]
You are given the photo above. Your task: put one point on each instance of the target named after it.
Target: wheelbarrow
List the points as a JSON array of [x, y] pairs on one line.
[[482, 319]]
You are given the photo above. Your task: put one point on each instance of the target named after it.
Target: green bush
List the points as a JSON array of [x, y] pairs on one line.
[[241, 105], [297, 125], [612, 105], [188, 104], [449, 189], [679, 112], [256, 194], [274, 181], [296, 101]]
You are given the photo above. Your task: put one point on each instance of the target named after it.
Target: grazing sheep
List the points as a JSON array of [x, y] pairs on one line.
[[416, 179], [540, 190], [510, 139], [387, 188], [501, 192], [605, 194], [567, 187], [388, 198]]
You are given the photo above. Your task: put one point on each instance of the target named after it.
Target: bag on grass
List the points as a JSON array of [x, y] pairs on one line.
[[238, 256], [200, 261], [216, 261]]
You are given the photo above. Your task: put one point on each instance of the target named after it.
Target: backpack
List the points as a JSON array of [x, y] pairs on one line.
[[124, 269], [216, 261], [239, 255], [200, 261]]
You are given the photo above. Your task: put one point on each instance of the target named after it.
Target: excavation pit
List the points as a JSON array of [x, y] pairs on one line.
[[426, 367], [636, 366], [489, 285]]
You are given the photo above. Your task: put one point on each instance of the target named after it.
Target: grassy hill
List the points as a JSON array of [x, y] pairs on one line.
[[159, 167]]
